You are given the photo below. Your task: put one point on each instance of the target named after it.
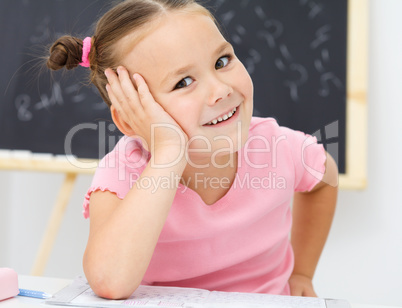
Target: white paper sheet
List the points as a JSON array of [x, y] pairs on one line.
[[80, 294]]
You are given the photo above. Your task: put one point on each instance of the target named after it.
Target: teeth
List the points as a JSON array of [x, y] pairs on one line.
[[223, 118]]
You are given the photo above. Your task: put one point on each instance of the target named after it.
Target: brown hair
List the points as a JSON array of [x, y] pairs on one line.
[[117, 23]]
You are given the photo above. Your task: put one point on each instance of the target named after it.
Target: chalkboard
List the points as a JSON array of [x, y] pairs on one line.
[[294, 50]]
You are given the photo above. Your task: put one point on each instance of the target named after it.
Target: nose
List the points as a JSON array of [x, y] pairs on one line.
[[219, 90]]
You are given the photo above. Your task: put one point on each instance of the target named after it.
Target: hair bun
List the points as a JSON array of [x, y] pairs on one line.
[[65, 52]]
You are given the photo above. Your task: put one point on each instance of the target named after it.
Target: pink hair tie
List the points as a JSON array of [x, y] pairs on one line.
[[86, 48]]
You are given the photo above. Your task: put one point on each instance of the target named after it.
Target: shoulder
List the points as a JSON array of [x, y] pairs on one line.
[[269, 128], [128, 158], [128, 151], [118, 169], [289, 148], [257, 124]]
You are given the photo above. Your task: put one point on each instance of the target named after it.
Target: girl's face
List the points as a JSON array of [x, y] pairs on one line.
[[193, 73]]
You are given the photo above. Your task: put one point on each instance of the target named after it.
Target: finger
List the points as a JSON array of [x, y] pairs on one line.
[[296, 290], [117, 95], [128, 87], [114, 84], [309, 292], [114, 100], [115, 92], [144, 94]]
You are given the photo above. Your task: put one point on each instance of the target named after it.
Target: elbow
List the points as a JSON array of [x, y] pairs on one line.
[[109, 289], [109, 284]]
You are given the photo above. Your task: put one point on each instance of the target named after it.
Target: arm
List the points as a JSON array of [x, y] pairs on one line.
[[123, 233], [312, 217]]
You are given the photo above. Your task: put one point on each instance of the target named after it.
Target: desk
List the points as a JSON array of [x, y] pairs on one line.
[[52, 285]]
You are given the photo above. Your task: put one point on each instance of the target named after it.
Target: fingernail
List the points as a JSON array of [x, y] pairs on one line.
[[106, 73], [107, 88]]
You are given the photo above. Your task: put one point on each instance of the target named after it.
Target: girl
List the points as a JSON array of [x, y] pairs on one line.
[[197, 193]]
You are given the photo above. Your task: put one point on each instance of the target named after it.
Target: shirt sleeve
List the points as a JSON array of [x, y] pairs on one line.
[[309, 159], [118, 170]]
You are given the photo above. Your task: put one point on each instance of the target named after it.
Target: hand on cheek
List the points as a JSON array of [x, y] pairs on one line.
[[136, 113]]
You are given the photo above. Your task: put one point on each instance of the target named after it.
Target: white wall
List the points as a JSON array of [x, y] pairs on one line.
[[362, 261], [26, 202], [363, 257]]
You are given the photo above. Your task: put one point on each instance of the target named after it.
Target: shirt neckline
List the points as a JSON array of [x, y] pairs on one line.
[[225, 199]]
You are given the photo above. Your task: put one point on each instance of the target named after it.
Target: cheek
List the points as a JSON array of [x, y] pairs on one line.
[[183, 110], [244, 81]]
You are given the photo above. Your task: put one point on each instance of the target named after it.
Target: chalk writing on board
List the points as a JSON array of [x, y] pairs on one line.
[[253, 59], [272, 32], [315, 8], [326, 77], [285, 63], [322, 36], [26, 107], [47, 101], [42, 32], [22, 103]]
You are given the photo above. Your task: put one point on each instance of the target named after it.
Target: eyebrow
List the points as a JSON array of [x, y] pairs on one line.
[[186, 68]]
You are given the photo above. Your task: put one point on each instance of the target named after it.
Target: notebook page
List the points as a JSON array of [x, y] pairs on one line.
[[80, 294], [148, 296]]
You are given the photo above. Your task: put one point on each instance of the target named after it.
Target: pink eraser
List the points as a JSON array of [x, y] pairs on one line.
[[8, 283]]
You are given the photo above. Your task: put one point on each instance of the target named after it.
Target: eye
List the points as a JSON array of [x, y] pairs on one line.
[[222, 62], [185, 82]]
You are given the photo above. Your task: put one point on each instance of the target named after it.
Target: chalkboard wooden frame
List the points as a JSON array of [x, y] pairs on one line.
[[356, 114], [355, 176]]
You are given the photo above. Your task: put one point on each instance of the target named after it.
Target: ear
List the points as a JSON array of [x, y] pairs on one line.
[[122, 125]]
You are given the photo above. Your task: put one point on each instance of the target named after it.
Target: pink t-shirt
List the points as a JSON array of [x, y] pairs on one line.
[[241, 242]]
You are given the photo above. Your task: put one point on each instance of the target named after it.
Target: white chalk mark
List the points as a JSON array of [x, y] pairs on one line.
[[280, 65], [316, 9], [22, 103], [72, 88], [325, 55], [227, 17], [302, 71], [318, 65], [293, 90], [285, 52], [295, 84], [260, 12], [236, 39], [241, 30], [252, 61], [78, 98], [322, 36], [276, 28], [255, 55], [325, 80], [55, 98]]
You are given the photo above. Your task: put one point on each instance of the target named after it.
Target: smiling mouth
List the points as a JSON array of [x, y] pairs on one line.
[[223, 118]]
